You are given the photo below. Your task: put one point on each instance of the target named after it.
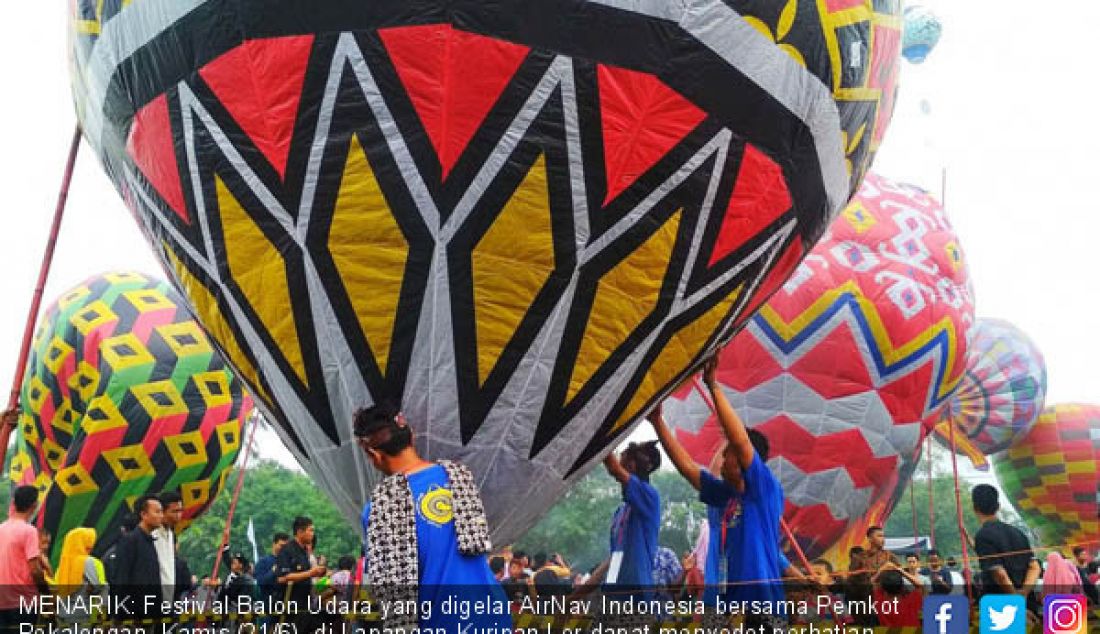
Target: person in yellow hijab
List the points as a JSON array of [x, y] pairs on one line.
[[79, 573]]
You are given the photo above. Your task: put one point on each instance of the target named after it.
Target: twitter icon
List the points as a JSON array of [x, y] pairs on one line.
[[1003, 614]]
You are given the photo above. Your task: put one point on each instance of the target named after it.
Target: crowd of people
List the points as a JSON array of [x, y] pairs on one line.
[[141, 575], [426, 544]]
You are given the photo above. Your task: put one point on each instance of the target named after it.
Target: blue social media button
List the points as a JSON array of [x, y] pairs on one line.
[[945, 614], [1003, 614]]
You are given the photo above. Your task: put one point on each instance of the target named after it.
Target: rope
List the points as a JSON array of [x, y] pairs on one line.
[[40, 286], [959, 517], [236, 494], [913, 511], [931, 506]]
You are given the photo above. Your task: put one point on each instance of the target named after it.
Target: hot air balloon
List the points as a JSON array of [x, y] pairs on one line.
[[123, 396], [921, 33], [846, 368], [1050, 476], [1002, 394], [523, 221]]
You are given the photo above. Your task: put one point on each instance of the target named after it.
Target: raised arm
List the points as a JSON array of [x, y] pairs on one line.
[[679, 456], [731, 423], [615, 468]]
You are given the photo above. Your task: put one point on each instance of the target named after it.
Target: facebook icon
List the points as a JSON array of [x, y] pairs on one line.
[[945, 614]]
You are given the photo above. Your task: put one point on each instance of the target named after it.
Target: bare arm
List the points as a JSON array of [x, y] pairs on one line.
[[731, 423], [593, 581], [1002, 580], [295, 577], [615, 469], [679, 456], [1033, 572], [38, 573], [914, 580]]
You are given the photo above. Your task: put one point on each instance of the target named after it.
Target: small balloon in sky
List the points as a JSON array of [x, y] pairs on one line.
[[922, 32]]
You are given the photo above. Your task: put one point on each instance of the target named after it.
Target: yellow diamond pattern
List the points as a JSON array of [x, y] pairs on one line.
[[85, 380], [364, 230], [75, 480], [160, 399], [74, 296], [102, 415], [57, 354], [187, 450], [229, 436], [185, 338], [55, 454], [195, 493], [129, 463], [93, 316], [125, 351], [625, 296], [508, 273], [148, 300], [214, 388]]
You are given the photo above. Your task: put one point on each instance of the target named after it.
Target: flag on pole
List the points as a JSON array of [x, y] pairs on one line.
[[252, 540]]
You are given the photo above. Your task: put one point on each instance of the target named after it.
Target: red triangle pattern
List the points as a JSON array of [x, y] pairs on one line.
[[453, 79], [745, 363], [815, 524], [760, 196], [642, 120], [706, 443], [830, 369], [151, 147], [813, 454], [905, 397], [266, 106]]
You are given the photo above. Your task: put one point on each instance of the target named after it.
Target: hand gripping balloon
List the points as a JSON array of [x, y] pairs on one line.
[[847, 367]]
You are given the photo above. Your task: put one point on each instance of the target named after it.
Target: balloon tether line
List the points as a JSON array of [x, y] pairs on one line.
[[236, 492], [36, 300], [931, 506], [959, 516], [913, 511]]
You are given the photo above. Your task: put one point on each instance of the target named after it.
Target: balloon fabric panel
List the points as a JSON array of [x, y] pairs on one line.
[[848, 366], [123, 396], [1050, 476], [523, 223], [1003, 392]]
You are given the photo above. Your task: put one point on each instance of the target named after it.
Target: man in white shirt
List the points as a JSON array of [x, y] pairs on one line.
[[164, 539], [912, 564]]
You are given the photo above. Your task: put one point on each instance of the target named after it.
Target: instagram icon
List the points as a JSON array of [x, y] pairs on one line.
[[1064, 614]]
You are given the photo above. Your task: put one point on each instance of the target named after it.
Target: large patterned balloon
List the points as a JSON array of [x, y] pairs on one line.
[[1002, 394], [846, 368], [124, 395], [1050, 476], [524, 220]]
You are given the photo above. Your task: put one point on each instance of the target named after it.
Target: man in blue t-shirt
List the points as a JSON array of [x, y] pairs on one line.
[[635, 525], [744, 508], [443, 569]]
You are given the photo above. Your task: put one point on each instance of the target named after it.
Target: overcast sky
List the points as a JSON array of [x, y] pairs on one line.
[[1011, 112]]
